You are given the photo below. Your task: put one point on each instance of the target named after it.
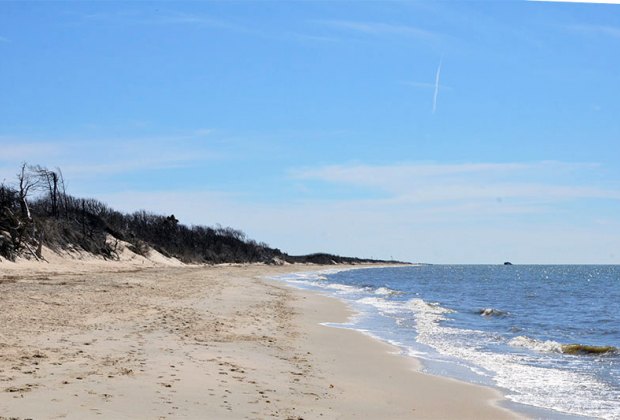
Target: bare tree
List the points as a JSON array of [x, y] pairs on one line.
[[63, 191], [50, 180], [28, 182]]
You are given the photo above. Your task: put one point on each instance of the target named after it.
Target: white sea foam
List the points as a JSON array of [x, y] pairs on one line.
[[537, 345], [557, 389], [342, 288], [320, 275], [386, 291], [385, 306], [431, 309]]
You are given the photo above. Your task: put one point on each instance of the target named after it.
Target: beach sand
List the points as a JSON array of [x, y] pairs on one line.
[[155, 340]]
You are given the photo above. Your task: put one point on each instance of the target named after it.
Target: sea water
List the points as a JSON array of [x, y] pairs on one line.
[[547, 336]]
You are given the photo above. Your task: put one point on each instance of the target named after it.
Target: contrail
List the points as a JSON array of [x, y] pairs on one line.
[[580, 1], [436, 86]]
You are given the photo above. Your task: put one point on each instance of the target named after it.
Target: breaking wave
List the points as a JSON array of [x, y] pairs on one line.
[[386, 291]]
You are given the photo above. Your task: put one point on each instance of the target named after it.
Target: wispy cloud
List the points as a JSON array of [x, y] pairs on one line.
[[178, 18], [368, 173], [597, 29], [164, 18], [378, 28], [18, 150], [97, 157], [316, 38], [132, 164], [523, 182], [3, 39]]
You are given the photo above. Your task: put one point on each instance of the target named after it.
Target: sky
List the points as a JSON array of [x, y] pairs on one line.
[[426, 131]]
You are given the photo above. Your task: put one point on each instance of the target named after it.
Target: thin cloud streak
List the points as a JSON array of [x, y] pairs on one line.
[[164, 18], [377, 28], [540, 182], [436, 86], [132, 165], [20, 151], [597, 29], [315, 38], [533, 191], [364, 173], [84, 158]]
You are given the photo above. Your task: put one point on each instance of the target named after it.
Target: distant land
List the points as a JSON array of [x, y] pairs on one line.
[[38, 212]]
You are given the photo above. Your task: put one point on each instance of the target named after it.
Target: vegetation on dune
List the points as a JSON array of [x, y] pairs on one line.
[[37, 211]]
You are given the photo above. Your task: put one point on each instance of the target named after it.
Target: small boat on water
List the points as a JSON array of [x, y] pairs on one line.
[[507, 263]]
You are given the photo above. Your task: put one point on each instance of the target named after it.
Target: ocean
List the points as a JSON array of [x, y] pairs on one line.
[[546, 336]]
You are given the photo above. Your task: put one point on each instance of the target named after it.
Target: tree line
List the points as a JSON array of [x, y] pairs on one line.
[[37, 211]]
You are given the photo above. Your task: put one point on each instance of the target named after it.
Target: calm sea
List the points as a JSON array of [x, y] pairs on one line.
[[547, 336]]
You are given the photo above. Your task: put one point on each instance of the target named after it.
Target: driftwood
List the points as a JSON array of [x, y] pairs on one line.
[[34, 254]]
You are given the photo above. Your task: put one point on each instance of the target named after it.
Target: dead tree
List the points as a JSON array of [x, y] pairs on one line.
[[50, 180], [63, 191], [28, 182]]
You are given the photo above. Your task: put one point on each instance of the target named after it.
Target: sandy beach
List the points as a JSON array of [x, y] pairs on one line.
[[150, 340]]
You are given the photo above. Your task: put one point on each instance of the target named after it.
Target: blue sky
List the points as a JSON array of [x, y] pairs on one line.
[[327, 126]]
